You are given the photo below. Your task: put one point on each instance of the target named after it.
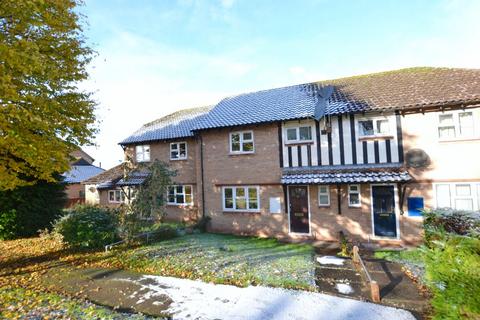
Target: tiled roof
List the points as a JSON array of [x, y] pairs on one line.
[[135, 179], [175, 125], [112, 174], [392, 90], [79, 173], [358, 176]]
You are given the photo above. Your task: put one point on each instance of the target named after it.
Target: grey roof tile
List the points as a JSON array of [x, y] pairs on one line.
[[175, 125], [359, 176], [80, 173]]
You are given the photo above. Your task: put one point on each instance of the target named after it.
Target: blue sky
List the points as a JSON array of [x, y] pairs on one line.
[[156, 57]]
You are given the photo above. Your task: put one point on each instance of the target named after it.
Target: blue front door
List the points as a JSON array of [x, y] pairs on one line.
[[384, 218]]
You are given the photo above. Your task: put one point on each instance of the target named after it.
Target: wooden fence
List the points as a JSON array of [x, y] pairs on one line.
[[359, 264]]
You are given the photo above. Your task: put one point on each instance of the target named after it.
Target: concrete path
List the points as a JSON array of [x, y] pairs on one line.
[[338, 276], [187, 299]]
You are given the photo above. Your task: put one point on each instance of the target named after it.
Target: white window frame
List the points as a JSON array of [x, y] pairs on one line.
[[178, 150], [327, 193], [141, 153], [355, 205], [234, 193], [474, 194], [375, 127], [121, 196], [297, 132], [242, 141], [457, 127], [175, 193]]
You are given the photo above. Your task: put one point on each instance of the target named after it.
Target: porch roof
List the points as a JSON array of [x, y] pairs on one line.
[[358, 176]]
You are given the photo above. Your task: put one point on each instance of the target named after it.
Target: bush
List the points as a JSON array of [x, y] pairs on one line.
[[87, 227], [453, 275], [451, 221], [162, 231], [8, 224]]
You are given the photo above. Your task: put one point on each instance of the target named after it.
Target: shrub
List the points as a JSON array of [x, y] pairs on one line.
[[202, 224], [451, 221], [453, 275], [162, 231], [87, 227], [8, 223]]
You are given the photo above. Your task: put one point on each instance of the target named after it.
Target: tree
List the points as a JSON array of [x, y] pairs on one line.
[[43, 113], [32, 208]]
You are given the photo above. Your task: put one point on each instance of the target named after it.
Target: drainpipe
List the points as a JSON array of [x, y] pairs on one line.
[[339, 199], [202, 178]]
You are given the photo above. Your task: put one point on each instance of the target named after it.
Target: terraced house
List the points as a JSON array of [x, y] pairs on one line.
[[363, 155]]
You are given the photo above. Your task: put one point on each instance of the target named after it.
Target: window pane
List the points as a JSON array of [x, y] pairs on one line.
[[353, 188], [323, 199], [171, 190], [174, 155], [241, 203], [179, 189], [305, 133], [463, 190], [446, 132], [383, 127], [171, 198], [322, 189], [354, 198], [179, 198], [247, 136], [228, 192], [446, 119], [228, 203], [443, 196], [188, 198], [292, 134], [183, 150], [252, 193], [174, 146], [464, 204], [111, 196], [466, 123], [235, 142], [117, 196], [240, 192], [253, 205], [248, 146], [366, 128], [188, 190]]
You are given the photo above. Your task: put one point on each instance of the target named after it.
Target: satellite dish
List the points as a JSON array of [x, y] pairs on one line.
[[417, 158]]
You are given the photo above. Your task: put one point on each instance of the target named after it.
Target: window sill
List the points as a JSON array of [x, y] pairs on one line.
[[242, 212], [466, 139], [179, 159], [324, 205], [180, 204], [355, 207], [379, 137], [240, 153], [298, 143]]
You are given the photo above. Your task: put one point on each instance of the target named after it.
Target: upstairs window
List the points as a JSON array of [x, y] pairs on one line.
[[116, 196], [299, 134], [456, 125], [180, 195], [354, 195], [374, 127], [241, 142], [178, 151], [142, 153], [241, 199]]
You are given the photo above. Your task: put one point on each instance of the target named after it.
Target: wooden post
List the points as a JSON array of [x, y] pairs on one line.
[[375, 291], [355, 254]]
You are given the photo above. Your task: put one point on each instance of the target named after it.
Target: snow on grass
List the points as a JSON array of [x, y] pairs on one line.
[[331, 260], [344, 288], [199, 300]]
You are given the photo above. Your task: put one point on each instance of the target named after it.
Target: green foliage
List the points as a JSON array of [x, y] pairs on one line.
[[43, 57], [162, 231], [453, 275], [36, 206], [149, 197], [8, 224], [87, 227]]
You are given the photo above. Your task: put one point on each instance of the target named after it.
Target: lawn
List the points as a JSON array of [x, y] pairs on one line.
[[412, 259], [26, 264], [220, 258]]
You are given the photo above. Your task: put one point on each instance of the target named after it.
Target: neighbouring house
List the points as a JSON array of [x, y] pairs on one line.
[[362, 155], [81, 168]]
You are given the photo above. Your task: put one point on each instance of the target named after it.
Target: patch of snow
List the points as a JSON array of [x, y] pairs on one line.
[[199, 300], [331, 260], [344, 288]]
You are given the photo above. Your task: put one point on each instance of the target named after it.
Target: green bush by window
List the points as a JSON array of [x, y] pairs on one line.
[[8, 224], [87, 227]]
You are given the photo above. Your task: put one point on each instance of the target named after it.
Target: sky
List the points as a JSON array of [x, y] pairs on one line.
[[157, 57]]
